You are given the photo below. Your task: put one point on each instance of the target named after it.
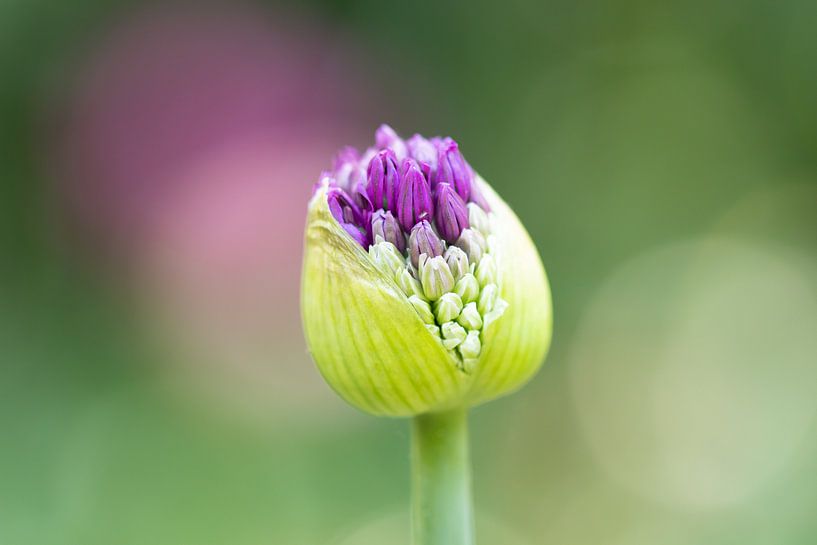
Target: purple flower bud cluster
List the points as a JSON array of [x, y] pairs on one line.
[[416, 189]]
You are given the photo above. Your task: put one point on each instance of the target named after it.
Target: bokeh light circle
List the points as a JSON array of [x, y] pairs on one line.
[[693, 370]]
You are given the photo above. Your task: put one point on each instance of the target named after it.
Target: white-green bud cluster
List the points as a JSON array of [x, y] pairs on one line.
[[455, 294]]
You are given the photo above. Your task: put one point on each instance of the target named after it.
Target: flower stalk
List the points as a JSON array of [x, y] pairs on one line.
[[442, 508]]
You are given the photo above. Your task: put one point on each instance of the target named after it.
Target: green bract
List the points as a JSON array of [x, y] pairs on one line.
[[374, 348]]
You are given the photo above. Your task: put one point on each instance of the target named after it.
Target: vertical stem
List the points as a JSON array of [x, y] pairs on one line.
[[442, 510]]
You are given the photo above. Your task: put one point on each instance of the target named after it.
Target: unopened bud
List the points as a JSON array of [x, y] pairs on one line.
[[450, 213], [448, 307], [486, 270], [382, 178], [385, 227], [386, 137], [409, 284], [422, 151], [386, 256], [470, 347], [473, 244], [467, 288], [487, 298], [435, 277], [453, 334], [457, 261], [470, 318], [414, 202], [423, 240], [434, 330], [478, 219], [422, 308], [499, 307], [451, 169]]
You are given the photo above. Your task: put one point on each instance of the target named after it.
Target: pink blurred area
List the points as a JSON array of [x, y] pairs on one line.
[[190, 140]]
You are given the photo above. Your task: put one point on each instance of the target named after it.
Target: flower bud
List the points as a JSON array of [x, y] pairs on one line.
[[360, 196], [347, 214], [423, 240], [369, 325], [435, 277], [453, 334], [487, 298], [414, 202], [448, 307], [451, 169], [470, 347], [457, 261], [422, 151], [478, 219], [473, 244], [385, 137], [386, 256], [382, 180], [423, 309], [470, 317], [347, 167], [495, 313], [450, 215], [385, 227], [409, 284], [476, 194], [486, 270], [342, 206], [467, 288]]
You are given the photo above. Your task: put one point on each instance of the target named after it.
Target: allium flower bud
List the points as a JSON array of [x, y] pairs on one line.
[[473, 243], [487, 299], [451, 169], [347, 214], [414, 203], [410, 285], [435, 277], [470, 318], [347, 167], [477, 197], [385, 137], [451, 216], [387, 257], [478, 219], [423, 240], [412, 328], [382, 180], [422, 151], [448, 308], [467, 288], [423, 309], [486, 270], [457, 261], [385, 227], [470, 347], [453, 334], [469, 350]]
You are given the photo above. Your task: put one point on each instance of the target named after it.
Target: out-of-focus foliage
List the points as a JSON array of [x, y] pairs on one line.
[[156, 162]]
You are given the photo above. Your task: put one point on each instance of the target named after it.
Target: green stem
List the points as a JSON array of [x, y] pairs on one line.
[[441, 480]]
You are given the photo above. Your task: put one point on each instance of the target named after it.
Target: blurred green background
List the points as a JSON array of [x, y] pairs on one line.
[[156, 161]]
